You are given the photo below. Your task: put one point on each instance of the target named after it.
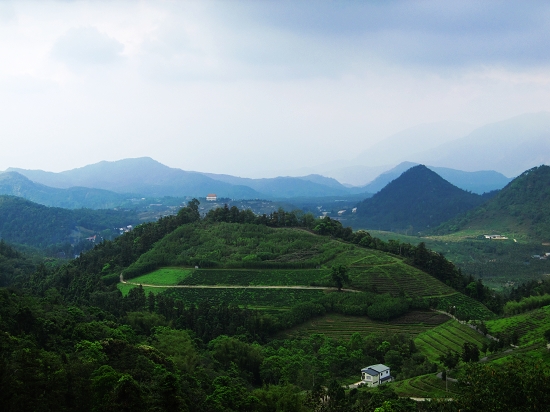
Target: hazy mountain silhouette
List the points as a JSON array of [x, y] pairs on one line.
[[147, 177], [510, 147], [417, 200], [477, 182]]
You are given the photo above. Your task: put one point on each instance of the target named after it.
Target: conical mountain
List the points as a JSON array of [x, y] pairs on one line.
[[416, 201], [521, 208]]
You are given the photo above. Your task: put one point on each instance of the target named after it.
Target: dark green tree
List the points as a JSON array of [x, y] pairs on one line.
[[339, 275]]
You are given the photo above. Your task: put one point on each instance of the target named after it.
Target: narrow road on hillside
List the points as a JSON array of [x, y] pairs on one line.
[[236, 286]]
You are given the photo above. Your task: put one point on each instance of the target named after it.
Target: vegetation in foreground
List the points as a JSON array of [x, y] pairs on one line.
[[70, 341]]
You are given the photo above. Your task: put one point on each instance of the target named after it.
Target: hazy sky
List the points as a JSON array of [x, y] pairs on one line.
[[255, 86]]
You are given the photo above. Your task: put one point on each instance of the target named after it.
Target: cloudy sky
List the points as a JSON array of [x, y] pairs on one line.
[[253, 88]]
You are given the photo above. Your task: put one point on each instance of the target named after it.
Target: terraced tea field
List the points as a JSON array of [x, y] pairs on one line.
[[425, 386], [397, 277], [449, 336], [267, 299], [342, 327], [530, 326], [267, 277], [465, 307]]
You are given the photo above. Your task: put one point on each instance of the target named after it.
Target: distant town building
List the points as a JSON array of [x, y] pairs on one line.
[[495, 237], [354, 210], [212, 197], [341, 212]]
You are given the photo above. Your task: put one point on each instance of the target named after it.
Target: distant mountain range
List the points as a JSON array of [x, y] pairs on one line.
[[477, 182], [508, 147], [521, 208], [147, 177], [416, 201], [144, 176]]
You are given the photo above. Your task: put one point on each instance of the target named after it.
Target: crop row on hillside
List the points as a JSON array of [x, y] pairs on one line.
[[449, 336], [342, 327], [268, 277], [464, 307], [398, 279], [529, 326], [252, 298], [425, 386]]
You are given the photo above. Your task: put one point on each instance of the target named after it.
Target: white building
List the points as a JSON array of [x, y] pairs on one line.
[[212, 197], [375, 375]]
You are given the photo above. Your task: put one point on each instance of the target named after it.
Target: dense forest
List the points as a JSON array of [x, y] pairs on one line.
[[70, 341], [53, 228]]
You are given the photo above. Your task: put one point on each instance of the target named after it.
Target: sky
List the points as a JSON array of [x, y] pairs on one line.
[[256, 88]]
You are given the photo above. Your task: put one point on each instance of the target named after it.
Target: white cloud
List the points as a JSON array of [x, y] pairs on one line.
[[86, 46]]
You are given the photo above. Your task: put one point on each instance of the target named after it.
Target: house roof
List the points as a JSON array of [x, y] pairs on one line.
[[211, 195], [378, 368], [369, 371]]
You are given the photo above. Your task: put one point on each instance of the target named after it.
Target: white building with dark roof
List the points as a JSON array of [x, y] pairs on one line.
[[375, 375]]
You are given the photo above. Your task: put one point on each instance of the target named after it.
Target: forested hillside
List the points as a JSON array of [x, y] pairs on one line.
[[71, 341], [414, 202], [522, 207], [15, 184], [52, 228]]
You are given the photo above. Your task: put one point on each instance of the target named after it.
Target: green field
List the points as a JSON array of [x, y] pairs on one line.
[[449, 336], [530, 326], [425, 386], [342, 327], [164, 276]]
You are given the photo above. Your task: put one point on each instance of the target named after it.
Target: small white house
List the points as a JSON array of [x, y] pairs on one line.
[[375, 375], [211, 197]]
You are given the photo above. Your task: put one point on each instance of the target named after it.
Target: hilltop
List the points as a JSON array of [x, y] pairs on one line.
[[521, 208], [417, 200]]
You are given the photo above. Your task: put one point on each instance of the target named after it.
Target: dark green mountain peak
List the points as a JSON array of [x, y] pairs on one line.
[[415, 201]]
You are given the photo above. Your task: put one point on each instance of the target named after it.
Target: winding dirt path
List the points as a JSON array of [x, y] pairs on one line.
[[236, 286]]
